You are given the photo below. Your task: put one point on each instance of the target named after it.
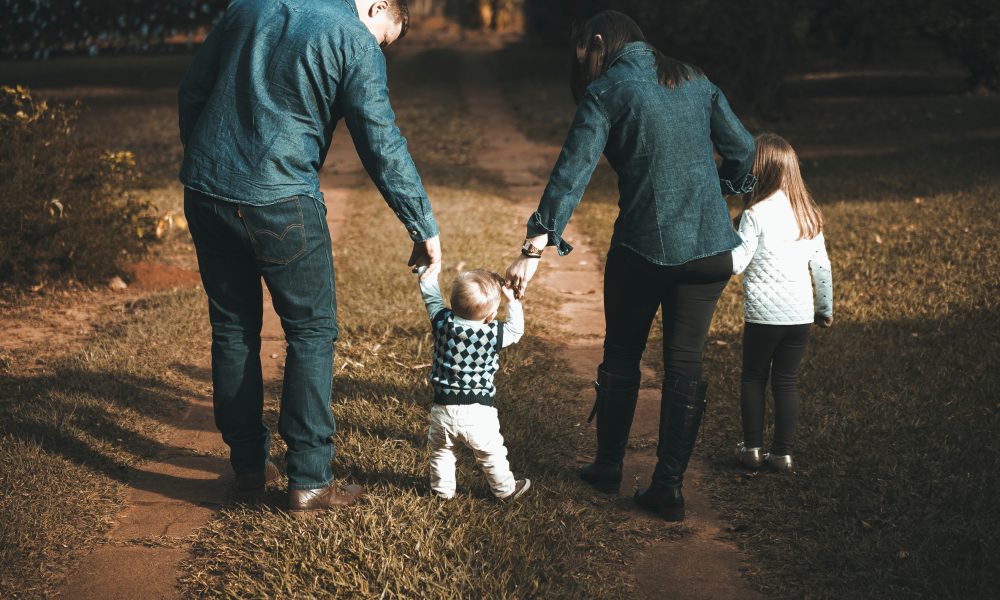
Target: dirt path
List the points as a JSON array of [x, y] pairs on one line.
[[179, 491], [700, 565]]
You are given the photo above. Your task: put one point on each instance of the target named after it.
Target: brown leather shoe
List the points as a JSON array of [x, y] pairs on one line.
[[332, 496], [254, 482]]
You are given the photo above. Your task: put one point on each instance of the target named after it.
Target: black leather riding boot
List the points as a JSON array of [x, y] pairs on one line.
[[614, 408], [682, 405]]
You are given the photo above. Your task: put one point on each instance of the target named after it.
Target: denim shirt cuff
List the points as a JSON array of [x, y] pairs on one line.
[[536, 228], [423, 229], [745, 186]]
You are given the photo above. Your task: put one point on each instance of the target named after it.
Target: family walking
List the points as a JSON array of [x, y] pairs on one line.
[[258, 107]]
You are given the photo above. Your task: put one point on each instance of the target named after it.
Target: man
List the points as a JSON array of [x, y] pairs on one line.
[[257, 107]]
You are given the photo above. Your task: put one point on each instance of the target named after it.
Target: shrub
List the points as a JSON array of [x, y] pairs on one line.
[[67, 209], [41, 28]]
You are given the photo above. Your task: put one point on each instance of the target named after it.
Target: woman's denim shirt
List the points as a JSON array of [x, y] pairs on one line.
[[260, 101], [659, 141]]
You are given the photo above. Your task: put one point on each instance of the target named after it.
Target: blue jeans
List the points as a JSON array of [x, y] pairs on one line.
[[288, 245]]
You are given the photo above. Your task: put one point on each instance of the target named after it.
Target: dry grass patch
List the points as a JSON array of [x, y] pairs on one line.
[[558, 541], [404, 542], [72, 426]]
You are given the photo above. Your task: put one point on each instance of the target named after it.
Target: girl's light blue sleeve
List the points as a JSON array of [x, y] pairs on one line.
[[430, 291], [513, 327], [749, 239], [822, 276]]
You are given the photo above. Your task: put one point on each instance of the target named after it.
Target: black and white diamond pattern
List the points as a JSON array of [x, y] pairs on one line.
[[465, 358]]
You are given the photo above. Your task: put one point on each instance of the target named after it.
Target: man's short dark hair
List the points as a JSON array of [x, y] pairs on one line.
[[400, 12]]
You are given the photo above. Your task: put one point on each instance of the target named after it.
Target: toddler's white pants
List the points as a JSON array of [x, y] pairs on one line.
[[475, 426]]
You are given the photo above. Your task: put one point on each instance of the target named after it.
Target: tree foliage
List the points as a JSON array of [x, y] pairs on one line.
[[42, 28], [748, 48]]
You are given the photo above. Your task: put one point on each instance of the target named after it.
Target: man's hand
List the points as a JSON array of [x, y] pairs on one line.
[[426, 254], [823, 321]]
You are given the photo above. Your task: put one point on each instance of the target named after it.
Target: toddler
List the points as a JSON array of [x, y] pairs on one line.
[[467, 343], [782, 232]]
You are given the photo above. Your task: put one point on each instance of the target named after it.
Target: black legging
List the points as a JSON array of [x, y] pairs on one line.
[[776, 350], [634, 288]]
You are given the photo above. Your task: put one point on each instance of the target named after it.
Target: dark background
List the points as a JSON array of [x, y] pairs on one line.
[[748, 47]]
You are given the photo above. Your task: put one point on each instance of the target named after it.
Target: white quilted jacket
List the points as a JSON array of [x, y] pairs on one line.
[[777, 287]]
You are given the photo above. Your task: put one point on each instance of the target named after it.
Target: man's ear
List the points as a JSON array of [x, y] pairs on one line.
[[378, 7]]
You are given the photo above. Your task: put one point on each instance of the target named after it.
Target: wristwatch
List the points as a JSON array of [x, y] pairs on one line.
[[529, 250]]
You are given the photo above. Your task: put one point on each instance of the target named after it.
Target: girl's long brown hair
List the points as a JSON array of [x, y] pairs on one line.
[[777, 168], [617, 29]]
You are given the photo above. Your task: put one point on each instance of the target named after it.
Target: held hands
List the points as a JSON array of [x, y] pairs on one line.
[[426, 254], [519, 273], [507, 292], [823, 321]]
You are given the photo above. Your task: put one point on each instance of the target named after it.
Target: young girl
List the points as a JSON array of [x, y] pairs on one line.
[[782, 242]]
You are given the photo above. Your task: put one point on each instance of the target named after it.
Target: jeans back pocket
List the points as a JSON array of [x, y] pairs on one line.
[[277, 231]]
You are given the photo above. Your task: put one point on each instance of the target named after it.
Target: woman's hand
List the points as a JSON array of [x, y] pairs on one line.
[[426, 254], [520, 272]]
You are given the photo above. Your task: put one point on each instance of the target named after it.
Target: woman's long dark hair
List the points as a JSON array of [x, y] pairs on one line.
[[617, 29]]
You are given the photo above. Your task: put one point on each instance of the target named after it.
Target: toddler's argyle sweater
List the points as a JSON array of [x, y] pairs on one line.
[[465, 360], [467, 353]]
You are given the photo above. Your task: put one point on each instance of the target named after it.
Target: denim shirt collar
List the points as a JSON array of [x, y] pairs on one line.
[[628, 50]]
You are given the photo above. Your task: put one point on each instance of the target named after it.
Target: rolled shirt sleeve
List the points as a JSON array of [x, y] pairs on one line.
[[584, 145], [735, 145], [381, 146]]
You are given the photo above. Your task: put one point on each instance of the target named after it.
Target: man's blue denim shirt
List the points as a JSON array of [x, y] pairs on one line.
[[659, 141], [260, 101]]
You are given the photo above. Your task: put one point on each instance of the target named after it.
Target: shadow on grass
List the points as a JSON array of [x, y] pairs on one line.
[[100, 420], [194, 372], [897, 462]]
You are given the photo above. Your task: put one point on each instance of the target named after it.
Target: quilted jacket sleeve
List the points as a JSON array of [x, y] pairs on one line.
[[749, 239], [822, 276]]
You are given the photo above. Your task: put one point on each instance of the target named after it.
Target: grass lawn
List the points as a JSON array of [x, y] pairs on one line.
[[404, 542], [559, 541], [897, 455], [896, 490], [73, 422]]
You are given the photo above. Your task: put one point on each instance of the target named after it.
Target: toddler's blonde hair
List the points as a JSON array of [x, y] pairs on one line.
[[475, 294]]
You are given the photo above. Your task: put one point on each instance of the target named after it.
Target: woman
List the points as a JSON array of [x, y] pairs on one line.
[[657, 120]]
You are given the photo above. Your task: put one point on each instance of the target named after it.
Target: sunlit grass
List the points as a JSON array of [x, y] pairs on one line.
[[71, 425]]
